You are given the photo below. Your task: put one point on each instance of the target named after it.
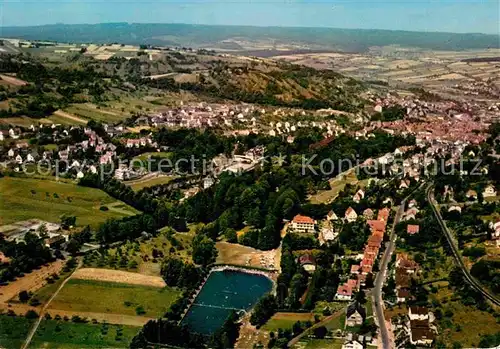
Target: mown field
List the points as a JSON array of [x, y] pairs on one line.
[[25, 198], [60, 334], [114, 298], [319, 344], [286, 320]]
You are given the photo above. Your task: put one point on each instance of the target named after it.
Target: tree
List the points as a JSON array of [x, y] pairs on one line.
[[263, 310], [67, 221], [204, 251], [24, 296], [320, 332]]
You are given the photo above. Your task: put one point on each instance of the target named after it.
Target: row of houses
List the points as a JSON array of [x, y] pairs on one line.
[[377, 227]]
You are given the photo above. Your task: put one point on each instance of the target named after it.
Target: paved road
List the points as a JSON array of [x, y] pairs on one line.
[[456, 254], [40, 317], [379, 282]]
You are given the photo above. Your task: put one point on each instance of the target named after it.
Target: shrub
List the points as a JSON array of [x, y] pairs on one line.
[[104, 208], [24, 296], [31, 314], [140, 310]]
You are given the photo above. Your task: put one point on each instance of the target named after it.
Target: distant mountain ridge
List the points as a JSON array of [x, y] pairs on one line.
[[199, 36]]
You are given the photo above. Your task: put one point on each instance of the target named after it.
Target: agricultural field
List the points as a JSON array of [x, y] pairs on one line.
[[144, 257], [114, 298], [13, 331], [26, 198], [61, 334], [91, 111], [34, 281]]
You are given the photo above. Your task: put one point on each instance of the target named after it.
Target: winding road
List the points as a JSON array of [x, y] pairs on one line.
[[456, 254]]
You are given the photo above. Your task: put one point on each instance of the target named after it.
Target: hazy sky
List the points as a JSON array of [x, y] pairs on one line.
[[422, 15]]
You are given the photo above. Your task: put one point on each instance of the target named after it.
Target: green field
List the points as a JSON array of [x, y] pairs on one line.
[[60, 334], [13, 331], [320, 344], [89, 111], [286, 320], [141, 184], [26, 198], [114, 298]]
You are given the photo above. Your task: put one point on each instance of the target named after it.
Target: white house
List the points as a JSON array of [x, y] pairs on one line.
[[331, 216], [351, 215], [11, 153], [360, 194], [19, 159], [302, 224], [344, 293], [352, 343], [79, 174], [489, 191], [355, 315]]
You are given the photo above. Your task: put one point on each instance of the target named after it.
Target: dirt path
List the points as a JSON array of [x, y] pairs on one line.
[[70, 116], [46, 305], [30, 282], [316, 325]]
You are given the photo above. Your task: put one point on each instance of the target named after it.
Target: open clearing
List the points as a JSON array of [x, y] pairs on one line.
[[119, 276], [12, 80], [319, 344], [26, 198], [30, 282], [71, 117], [139, 184], [114, 298], [246, 256], [286, 320], [337, 184]]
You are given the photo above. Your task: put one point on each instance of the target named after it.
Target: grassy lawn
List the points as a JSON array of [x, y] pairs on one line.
[[320, 344], [115, 298], [337, 323], [286, 320], [337, 184], [146, 156], [13, 331], [60, 334], [141, 184], [25, 198]]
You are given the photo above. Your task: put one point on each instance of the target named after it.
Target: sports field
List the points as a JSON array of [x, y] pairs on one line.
[[114, 298], [25, 198], [286, 320]]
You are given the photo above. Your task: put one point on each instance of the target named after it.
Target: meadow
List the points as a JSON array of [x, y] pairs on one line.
[[115, 298], [13, 331], [26, 198], [60, 334], [286, 320], [139, 184]]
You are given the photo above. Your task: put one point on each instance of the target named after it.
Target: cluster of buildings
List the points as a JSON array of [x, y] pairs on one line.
[[415, 327], [203, 115], [52, 233], [346, 291]]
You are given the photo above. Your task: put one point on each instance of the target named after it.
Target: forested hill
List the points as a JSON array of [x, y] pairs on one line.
[[213, 36]]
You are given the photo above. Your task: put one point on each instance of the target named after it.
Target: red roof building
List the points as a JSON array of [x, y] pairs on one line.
[[413, 229], [383, 214]]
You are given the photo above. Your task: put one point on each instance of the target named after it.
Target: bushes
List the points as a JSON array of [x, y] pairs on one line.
[[264, 310]]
